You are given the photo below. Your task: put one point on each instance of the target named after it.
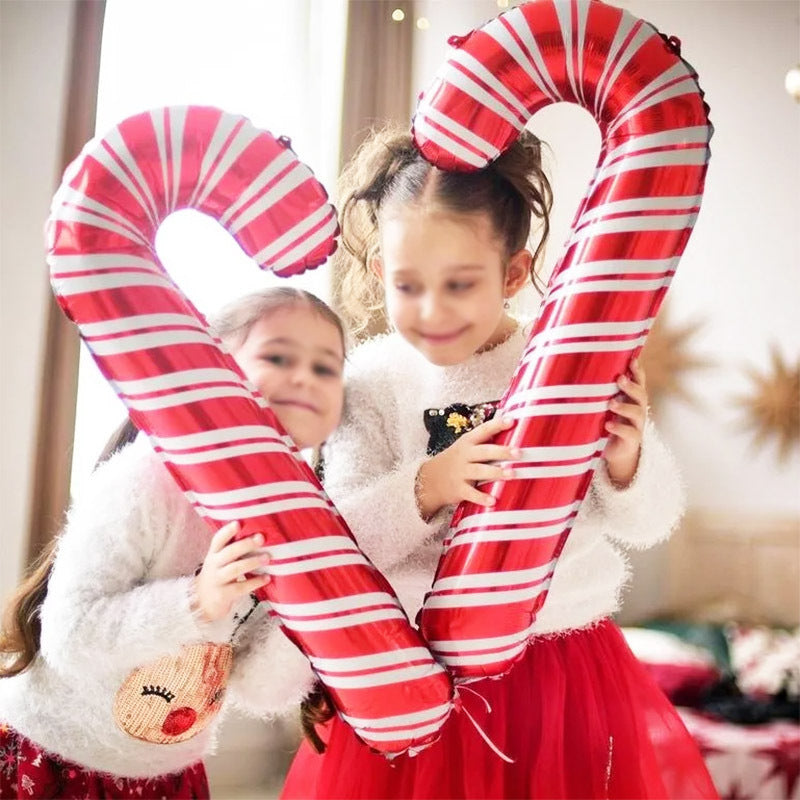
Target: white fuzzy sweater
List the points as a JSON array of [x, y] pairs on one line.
[[376, 452], [119, 598]]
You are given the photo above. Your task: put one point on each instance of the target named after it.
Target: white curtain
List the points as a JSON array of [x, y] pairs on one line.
[[278, 63]]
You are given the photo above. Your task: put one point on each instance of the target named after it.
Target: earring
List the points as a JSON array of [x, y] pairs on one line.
[[506, 304]]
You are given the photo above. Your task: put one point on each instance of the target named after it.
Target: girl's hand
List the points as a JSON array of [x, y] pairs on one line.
[[626, 427], [223, 579], [450, 476]]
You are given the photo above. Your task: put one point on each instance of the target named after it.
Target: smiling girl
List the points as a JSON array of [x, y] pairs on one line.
[[121, 650]]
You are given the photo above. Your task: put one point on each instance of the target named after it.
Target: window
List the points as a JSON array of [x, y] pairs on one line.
[[280, 64]]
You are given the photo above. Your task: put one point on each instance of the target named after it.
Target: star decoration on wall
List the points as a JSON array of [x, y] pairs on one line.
[[668, 356], [772, 407]]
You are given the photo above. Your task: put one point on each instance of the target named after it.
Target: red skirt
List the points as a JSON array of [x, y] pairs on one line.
[[578, 714], [27, 771]]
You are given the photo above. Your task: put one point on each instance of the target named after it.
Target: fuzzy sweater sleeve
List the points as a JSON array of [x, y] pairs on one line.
[[368, 480], [270, 675], [649, 509], [102, 599]]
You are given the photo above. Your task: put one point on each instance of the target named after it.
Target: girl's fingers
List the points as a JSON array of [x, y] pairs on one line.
[[488, 430], [489, 472], [223, 536], [237, 569], [627, 433], [637, 370], [483, 453], [635, 391], [630, 411], [473, 495], [243, 547]]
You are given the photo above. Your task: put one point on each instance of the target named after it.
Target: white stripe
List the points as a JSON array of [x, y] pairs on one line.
[[399, 719], [503, 37], [122, 324], [184, 398], [697, 134], [384, 659], [157, 119], [619, 59], [561, 452], [313, 546], [138, 187], [258, 492], [663, 158], [565, 390], [399, 735], [549, 409], [584, 329], [523, 473], [549, 349], [445, 142], [148, 341], [491, 643], [642, 222], [297, 232], [479, 70], [218, 454], [485, 658], [625, 285], [641, 204], [336, 606], [518, 517], [261, 509], [73, 214], [177, 123], [508, 535], [225, 125], [85, 262], [298, 175], [216, 436], [77, 201], [174, 380], [306, 246], [333, 623], [487, 149], [520, 25], [317, 564], [275, 167], [383, 678], [484, 598], [687, 86], [482, 580], [469, 87], [589, 269], [108, 280]]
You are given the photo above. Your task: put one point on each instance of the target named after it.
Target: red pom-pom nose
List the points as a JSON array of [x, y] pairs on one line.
[[179, 721]]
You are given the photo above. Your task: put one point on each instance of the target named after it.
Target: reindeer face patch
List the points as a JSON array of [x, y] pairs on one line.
[[174, 698]]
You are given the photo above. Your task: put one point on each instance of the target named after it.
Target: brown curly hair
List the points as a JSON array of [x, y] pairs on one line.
[[388, 171]]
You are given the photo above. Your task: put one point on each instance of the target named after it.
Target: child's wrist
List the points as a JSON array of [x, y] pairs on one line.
[[426, 504]]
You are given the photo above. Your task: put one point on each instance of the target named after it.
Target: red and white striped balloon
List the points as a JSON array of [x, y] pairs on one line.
[[217, 436], [629, 233]]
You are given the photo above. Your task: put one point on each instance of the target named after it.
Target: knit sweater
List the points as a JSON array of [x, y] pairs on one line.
[[119, 598], [376, 452]]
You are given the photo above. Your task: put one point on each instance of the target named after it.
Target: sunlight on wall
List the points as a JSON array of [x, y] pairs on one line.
[[281, 65]]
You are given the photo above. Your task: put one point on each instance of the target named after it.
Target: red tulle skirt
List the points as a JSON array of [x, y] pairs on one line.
[[578, 714], [27, 771]]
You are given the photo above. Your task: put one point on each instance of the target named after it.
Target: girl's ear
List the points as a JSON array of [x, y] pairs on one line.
[[376, 267], [517, 272]]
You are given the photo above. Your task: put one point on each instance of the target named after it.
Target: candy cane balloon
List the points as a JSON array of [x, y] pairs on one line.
[[630, 230], [219, 439]]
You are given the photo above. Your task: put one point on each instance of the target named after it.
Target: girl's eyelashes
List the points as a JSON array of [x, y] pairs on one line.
[[325, 371], [460, 286], [278, 359]]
